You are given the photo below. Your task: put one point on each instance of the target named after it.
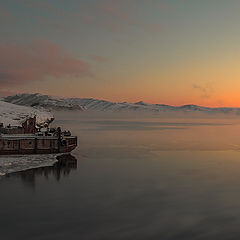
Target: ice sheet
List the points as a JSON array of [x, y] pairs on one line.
[[10, 164]]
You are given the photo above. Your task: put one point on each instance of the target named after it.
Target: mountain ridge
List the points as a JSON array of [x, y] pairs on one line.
[[83, 104]]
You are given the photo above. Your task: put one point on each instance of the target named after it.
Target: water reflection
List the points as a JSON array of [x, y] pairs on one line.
[[134, 185], [62, 168], [123, 125]]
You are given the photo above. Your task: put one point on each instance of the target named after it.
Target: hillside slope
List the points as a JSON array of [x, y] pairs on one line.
[[15, 114], [49, 102]]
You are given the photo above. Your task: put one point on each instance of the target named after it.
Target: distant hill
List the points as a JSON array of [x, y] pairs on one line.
[[15, 115], [83, 104]]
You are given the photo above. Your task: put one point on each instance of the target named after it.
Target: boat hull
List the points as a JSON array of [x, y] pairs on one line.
[[15, 145]]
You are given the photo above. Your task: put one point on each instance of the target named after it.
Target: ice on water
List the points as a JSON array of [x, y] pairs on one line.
[[10, 164]]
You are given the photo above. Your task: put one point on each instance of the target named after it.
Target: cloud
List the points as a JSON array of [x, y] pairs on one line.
[[206, 90], [33, 62]]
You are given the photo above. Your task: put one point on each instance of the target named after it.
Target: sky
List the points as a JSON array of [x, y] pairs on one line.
[[157, 51]]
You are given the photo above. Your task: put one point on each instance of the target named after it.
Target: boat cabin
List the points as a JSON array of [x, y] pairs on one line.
[[28, 139]]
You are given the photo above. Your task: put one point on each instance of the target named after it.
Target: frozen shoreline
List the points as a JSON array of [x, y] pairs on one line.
[[11, 164]]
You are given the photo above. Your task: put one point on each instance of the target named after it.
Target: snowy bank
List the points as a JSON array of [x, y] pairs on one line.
[[11, 164], [15, 114]]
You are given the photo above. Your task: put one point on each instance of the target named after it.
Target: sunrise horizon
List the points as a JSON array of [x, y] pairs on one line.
[[129, 100], [160, 51]]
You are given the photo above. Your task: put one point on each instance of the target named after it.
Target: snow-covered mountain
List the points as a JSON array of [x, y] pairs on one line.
[[15, 114], [49, 102], [45, 101]]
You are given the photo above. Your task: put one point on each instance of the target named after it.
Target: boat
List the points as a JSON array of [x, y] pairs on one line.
[[32, 139]]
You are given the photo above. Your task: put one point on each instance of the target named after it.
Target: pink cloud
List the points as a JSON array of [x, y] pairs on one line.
[[33, 62]]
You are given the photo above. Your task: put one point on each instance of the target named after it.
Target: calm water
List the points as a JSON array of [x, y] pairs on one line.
[[136, 177]]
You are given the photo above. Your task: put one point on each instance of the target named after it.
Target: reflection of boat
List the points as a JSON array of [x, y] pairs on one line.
[[32, 139], [65, 164]]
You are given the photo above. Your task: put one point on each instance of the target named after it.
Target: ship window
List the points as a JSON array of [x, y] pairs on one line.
[[30, 143], [63, 142]]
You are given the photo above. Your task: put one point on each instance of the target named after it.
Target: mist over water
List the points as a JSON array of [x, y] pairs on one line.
[[139, 176]]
